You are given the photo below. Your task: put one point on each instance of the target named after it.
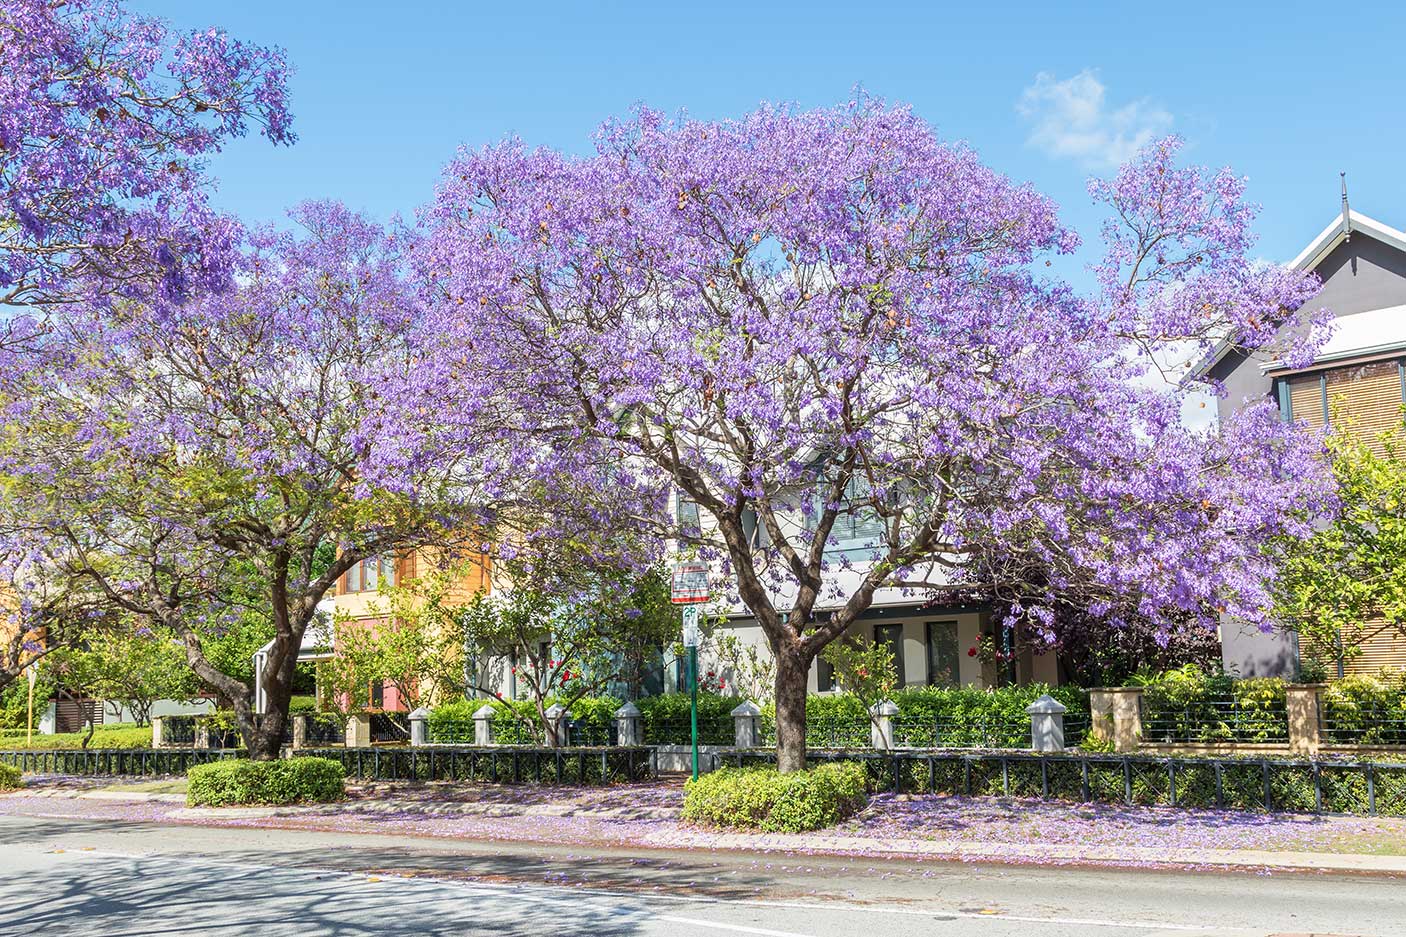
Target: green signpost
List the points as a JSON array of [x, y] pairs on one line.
[[690, 589]]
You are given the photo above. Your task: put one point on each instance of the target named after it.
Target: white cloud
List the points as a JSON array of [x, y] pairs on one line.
[[1071, 119]]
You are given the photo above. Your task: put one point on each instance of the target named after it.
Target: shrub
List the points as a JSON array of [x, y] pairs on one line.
[[666, 719], [115, 736], [762, 799], [285, 781], [10, 778]]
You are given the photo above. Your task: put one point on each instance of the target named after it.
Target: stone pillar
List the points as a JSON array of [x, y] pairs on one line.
[[1047, 724], [744, 725], [1303, 702], [1127, 718], [156, 727], [418, 729], [1101, 714], [881, 725], [359, 731], [483, 725], [202, 734], [300, 731], [627, 725], [558, 731]]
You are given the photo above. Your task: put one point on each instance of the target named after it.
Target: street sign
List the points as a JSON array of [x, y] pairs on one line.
[[690, 626], [690, 584]]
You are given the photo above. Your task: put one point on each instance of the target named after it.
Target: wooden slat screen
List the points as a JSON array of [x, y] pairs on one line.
[[1306, 398], [1368, 396]]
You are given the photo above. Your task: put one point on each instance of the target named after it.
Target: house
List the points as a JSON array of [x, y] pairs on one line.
[[932, 644], [1360, 371]]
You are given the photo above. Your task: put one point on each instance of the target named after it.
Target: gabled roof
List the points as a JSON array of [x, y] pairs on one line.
[[1336, 233], [1309, 258]]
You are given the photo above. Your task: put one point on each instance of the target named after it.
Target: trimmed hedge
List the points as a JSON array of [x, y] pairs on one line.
[[285, 781], [666, 719], [515, 722], [1191, 705], [10, 778], [115, 736], [763, 799]]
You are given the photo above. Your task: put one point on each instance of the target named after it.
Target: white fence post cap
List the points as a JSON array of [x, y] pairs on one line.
[[627, 711], [555, 710], [1046, 704], [747, 708], [486, 711], [884, 708], [420, 715]]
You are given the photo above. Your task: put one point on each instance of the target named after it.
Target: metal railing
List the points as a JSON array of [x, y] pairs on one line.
[[712, 730], [1262, 785], [390, 727], [1345, 722], [494, 765], [113, 761], [1214, 719]]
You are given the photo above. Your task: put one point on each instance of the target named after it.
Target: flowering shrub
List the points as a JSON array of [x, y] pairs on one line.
[[762, 799], [10, 778], [284, 781]]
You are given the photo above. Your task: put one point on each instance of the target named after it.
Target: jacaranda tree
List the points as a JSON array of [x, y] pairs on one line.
[[827, 324], [105, 121], [196, 464]]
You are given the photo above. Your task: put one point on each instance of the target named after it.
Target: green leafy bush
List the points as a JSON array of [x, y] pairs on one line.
[[1192, 705], [10, 778], [665, 719], [1362, 710], [284, 781], [763, 799]]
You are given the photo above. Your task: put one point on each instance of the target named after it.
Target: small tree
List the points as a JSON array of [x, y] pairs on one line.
[[569, 634], [416, 644], [131, 666], [1347, 582], [865, 669]]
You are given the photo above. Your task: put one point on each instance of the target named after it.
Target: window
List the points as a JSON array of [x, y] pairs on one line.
[[944, 663], [891, 636], [824, 675], [1368, 394], [858, 527], [378, 695], [370, 574], [687, 510]]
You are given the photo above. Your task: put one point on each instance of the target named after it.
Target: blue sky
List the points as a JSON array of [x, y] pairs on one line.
[[1288, 94]]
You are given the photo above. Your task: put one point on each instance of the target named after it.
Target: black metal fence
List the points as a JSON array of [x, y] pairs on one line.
[[103, 761], [390, 727], [494, 765], [178, 730], [1375, 722], [324, 729], [1264, 785]]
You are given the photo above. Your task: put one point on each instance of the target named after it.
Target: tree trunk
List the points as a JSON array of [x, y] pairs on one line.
[[792, 677]]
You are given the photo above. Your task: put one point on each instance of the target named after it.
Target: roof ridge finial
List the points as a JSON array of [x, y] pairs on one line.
[[1347, 214]]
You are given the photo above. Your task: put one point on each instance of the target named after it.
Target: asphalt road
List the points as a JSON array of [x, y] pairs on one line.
[[67, 877]]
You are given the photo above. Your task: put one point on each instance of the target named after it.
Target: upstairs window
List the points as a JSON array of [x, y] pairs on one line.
[[370, 575]]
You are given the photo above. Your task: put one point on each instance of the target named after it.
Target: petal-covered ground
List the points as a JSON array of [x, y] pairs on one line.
[[646, 815]]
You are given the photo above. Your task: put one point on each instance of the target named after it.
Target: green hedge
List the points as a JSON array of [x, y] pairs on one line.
[[284, 781], [762, 799], [1192, 705], [10, 778], [516, 722], [937, 717], [665, 720], [1362, 710], [115, 736]]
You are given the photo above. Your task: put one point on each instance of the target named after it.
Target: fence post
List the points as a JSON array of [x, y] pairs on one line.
[[1047, 724], [202, 734], [627, 725], [483, 726], [300, 731], [418, 720], [1304, 702], [881, 725], [744, 724], [1127, 718], [156, 726], [558, 732], [359, 732]]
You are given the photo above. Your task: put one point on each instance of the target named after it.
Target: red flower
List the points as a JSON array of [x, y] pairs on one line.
[[971, 652]]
